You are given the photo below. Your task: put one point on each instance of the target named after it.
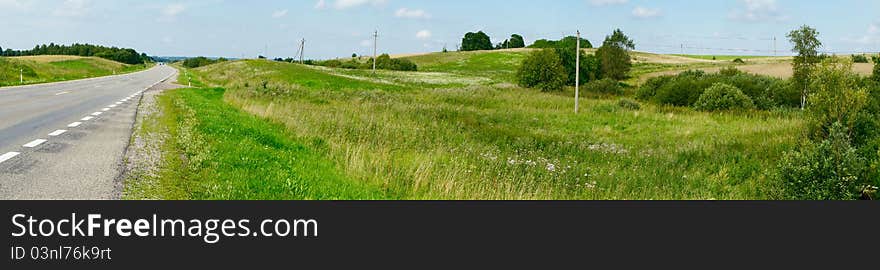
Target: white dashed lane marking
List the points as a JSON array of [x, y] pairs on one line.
[[34, 143], [112, 106], [74, 124], [8, 156], [96, 113], [87, 118], [118, 102], [62, 93], [105, 109], [57, 132]]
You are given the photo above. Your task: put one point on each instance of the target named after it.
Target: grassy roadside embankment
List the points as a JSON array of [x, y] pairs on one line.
[[55, 68], [426, 136]]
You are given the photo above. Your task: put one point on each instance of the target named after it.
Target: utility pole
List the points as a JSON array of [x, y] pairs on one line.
[[774, 46], [375, 50], [302, 48], [682, 49], [577, 73]]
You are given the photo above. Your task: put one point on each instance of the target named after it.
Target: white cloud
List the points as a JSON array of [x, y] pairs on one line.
[[321, 4], [646, 13], [173, 10], [412, 13], [72, 8], [279, 13], [602, 3], [424, 34], [15, 4], [758, 11], [346, 4]]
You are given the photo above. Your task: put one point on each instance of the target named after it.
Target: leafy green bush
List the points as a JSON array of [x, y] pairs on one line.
[[201, 61], [542, 69], [859, 58], [836, 97], [476, 41], [684, 89], [387, 63], [629, 104], [721, 97], [738, 61], [876, 74], [566, 42], [589, 69], [604, 86], [828, 170]]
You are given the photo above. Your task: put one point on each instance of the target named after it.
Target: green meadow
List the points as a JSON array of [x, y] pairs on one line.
[[53, 68], [457, 129]]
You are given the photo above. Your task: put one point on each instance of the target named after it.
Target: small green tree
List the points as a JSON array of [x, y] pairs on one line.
[[614, 55], [806, 44], [516, 41], [476, 41], [723, 96], [837, 97], [827, 170], [542, 69]]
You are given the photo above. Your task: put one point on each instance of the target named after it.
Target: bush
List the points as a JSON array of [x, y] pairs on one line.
[[201, 61], [876, 68], [859, 58], [629, 104], [836, 97], [604, 86], [476, 41], [829, 170], [542, 69], [686, 88], [589, 69], [738, 61], [723, 97]]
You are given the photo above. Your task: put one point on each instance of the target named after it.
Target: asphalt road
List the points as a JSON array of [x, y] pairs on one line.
[[66, 140]]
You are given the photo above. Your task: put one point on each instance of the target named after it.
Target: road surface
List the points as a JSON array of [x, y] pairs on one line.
[[66, 140]]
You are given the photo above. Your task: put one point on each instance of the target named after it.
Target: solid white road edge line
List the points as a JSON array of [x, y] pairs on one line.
[[34, 143], [8, 156], [57, 132]]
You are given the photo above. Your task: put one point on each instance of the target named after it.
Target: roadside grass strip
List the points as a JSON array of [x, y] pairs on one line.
[[220, 152]]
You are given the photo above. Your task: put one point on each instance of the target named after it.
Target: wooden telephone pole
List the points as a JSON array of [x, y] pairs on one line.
[[577, 73]]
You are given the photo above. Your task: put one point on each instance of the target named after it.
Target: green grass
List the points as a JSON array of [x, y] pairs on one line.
[[369, 137], [66, 68], [216, 152], [500, 66]]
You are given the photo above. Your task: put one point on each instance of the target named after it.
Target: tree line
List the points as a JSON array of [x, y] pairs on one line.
[[122, 55]]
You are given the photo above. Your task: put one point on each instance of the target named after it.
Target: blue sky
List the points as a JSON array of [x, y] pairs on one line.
[[337, 28]]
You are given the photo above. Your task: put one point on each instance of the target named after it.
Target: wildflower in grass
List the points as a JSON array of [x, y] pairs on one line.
[[511, 161], [551, 167], [590, 185]]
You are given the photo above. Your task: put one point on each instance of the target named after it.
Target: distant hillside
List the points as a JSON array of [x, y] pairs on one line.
[[52, 68], [122, 55]]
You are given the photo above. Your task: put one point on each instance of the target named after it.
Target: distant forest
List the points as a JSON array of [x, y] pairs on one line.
[[122, 55]]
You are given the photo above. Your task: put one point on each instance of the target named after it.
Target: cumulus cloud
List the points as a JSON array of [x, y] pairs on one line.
[[412, 13], [602, 3], [73, 8], [346, 4], [758, 11], [424, 34], [646, 13], [279, 13]]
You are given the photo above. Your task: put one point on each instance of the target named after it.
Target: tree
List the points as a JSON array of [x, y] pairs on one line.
[[516, 41], [476, 41], [806, 45], [542, 69], [568, 41], [876, 76], [590, 68], [614, 55], [837, 97], [354, 55]]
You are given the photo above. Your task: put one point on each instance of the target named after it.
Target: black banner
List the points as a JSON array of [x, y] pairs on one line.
[[415, 235]]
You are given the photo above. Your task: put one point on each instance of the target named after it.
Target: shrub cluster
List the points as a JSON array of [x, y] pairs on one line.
[[840, 158], [629, 104], [859, 58], [604, 86], [686, 88], [722, 97], [384, 62], [542, 69], [201, 61]]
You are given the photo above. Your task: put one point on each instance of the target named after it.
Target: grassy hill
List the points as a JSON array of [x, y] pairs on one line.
[[53, 68], [438, 135]]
